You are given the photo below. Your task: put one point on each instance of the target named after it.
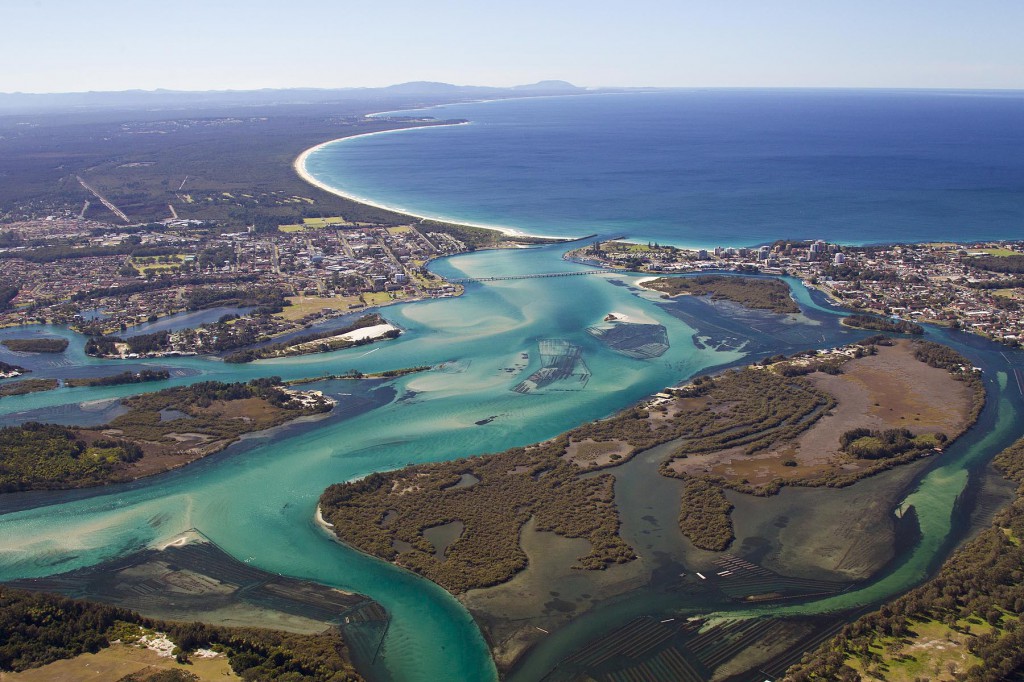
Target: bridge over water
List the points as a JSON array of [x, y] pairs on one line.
[[466, 280]]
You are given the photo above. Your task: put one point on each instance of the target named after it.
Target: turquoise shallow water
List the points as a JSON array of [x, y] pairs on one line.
[[257, 500], [259, 504]]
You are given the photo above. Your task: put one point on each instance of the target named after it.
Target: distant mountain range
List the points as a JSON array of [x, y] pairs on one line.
[[132, 99]]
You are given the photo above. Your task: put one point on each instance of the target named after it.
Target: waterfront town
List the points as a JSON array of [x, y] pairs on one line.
[[976, 287], [103, 280]]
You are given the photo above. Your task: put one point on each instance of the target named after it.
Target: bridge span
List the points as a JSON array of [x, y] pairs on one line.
[[538, 275]]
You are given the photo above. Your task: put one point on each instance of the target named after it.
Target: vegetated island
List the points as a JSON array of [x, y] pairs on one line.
[[37, 345], [883, 324], [8, 371], [754, 430], [761, 293], [127, 377], [160, 431], [26, 386], [963, 624]]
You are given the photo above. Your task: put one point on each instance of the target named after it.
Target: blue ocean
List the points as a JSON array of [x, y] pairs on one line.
[[708, 167]]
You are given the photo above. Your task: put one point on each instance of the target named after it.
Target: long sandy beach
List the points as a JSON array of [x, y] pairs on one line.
[[303, 172]]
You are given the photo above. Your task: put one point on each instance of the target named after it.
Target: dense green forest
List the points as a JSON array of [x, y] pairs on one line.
[[36, 455], [46, 344], [872, 444], [270, 298], [37, 628], [704, 517], [1005, 264], [974, 604], [883, 324], [7, 294], [65, 251], [473, 237], [762, 293]]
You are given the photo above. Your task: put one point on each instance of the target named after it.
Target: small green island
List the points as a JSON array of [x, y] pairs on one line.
[[26, 386], [159, 431], [883, 324], [46, 344], [127, 377], [760, 293], [7, 370]]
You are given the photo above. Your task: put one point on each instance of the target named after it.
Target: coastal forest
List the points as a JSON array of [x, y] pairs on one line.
[[42, 628]]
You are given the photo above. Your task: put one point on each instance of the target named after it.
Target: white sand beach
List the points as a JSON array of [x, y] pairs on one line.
[[303, 172], [322, 522], [373, 332]]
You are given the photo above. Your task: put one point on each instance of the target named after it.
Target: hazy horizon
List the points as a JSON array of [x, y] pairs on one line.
[[59, 46]]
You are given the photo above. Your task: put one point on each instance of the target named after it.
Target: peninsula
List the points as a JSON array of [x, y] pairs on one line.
[[159, 431]]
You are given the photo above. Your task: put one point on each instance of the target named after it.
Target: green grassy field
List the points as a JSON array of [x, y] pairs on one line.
[[997, 252], [932, 651], [306, 305], [315, 224]]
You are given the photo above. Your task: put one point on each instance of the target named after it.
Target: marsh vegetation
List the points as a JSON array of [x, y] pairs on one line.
[[753, 430]]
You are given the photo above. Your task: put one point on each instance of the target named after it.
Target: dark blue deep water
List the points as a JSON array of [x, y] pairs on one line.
[[708, 168]]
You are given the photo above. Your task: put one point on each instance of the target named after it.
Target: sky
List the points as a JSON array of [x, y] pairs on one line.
[[80, 45]]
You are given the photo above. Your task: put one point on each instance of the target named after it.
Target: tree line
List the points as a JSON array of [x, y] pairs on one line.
[[38, 628]]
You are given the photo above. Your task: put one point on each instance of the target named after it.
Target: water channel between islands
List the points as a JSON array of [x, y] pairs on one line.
[[256, 500]]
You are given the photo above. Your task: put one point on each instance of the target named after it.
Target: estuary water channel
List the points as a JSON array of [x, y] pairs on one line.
[[257, 499]]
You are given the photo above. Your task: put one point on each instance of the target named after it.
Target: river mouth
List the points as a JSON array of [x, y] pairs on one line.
[[257, 502]]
